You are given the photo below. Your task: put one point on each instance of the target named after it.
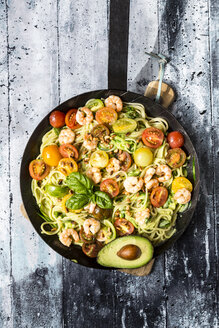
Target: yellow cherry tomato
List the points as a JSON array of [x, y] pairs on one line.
[[51, 155], [67, 166], [181, 182], [99, 159], [143, 157], [65, 209]]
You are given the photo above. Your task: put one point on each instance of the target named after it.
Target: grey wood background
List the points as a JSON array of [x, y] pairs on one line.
[[51, 51]]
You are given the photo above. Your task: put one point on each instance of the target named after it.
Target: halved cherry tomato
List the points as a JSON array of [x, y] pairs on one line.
[[152, 137], [106, 115], [100, 131], [125, 160], [86, 238], [57, 119], [38, 169], [175, 139], [123, 227], [51, 155], [68, 150], [99, 159], [175, 157], [110, 186], [181, 182], [91, 250], [67, 166], [159, 196], [70, 119]]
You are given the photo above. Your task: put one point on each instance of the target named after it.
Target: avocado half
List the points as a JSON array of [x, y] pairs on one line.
[[110, 254]]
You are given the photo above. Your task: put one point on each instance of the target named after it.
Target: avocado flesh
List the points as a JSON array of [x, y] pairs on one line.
[[108, 257]]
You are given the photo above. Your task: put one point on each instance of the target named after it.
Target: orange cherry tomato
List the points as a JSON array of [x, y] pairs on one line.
[[67, 166], [68, 150], [175, 139], [51, 155], [110, 186], [159, 196], [38, 169], [123, 227], [70, 119], [152, 137], [106, 115], [175, 157], [57, 119]]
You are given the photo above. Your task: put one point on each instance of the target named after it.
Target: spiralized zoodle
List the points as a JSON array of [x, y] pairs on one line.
[[117, 149]]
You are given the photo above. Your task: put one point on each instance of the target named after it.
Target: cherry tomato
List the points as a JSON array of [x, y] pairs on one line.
[[175, 139], [67, 166], [175, 157], [38, 169], [125, 160], [101, 213], [91, 250], [152, 137], [57, 119], [90, 238], [159, 196], [123, 227], [143, 157], [106, 115], [70, 119], [51, 155], [181, 182], [99, 159], [110, 186], [68, 150], [100, 131]]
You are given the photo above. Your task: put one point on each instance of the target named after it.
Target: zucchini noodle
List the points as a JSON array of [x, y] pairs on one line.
[[157, 227]]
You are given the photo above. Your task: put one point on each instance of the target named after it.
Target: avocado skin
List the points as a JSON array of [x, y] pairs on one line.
[[108, 257]]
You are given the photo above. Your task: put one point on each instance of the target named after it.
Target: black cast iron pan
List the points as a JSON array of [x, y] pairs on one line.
[[33, 147]]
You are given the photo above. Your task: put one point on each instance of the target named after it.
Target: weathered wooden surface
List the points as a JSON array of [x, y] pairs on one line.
[[50, 51]]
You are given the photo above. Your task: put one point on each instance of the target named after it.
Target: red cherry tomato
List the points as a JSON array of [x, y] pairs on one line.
[[68, 150], [110, 186], [125, 160], [123, 227], [57, 119], [70, 119], [175, 139], [175, 157], [152, 137], [88, 239], [38, 169], [91, 250], [159, 196]]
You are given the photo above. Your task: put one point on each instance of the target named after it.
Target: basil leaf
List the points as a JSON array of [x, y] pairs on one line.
[[103, 200], [79, 183], [77, 201]]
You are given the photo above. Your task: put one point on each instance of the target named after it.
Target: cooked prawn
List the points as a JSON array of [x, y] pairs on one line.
[[89, 142], [114, 102], [133, 184], [91, 226], [153, 183], [165, 173], [182, 196], [67, 236], [84, 116], [103, 234], [142, 215], [94, 174], [149, 174], [113, 165], [90, 207], [66, 136]]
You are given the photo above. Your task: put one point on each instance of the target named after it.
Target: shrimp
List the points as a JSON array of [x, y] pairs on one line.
[[142, 215], [67, 236], [91, 225], [84, 116], [149, 174], [182, 196], [113, 165], [133, 185], [90, 207], [103, 234], [90, 143], [114, 102], [94, 174], [66, 136], [164, 172], [153, 183]]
